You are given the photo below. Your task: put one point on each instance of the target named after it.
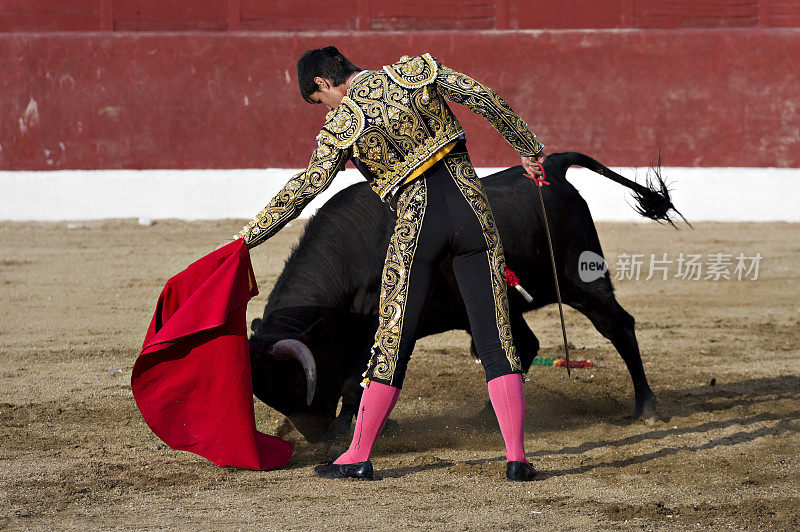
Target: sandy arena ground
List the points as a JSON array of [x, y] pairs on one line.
[[722, 357]]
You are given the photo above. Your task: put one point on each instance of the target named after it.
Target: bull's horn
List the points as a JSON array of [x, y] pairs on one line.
[[297, 350]]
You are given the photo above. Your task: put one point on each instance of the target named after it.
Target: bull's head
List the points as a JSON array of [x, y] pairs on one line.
[[285, 377]]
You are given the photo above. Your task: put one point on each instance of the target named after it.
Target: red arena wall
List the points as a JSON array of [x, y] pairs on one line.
[[391, 15], [146, 84]]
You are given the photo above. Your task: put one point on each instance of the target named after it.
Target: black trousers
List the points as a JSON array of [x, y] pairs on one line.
[[444, 211]]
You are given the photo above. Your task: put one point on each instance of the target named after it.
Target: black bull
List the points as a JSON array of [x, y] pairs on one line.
[[324, 304]]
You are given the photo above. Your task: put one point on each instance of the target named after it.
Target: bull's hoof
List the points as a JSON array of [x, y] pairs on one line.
[[339, 429], [646, 410]]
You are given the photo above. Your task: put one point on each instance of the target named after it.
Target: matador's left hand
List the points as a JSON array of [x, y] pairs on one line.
[[530, 165]]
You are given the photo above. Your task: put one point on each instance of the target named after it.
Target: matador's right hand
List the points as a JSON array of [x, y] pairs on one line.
[[529, 163]]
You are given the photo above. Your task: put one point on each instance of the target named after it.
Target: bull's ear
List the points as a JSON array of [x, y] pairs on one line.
[[255, 324]]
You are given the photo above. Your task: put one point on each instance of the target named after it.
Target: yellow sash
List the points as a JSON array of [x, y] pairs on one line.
[[438, 156]]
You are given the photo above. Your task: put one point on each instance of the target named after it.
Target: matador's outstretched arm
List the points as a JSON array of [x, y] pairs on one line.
[[325, 162]]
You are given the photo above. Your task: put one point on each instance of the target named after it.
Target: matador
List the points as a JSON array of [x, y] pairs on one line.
[[395, 126]]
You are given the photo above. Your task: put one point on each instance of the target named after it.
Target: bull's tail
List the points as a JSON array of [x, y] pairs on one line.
[[652, 201]]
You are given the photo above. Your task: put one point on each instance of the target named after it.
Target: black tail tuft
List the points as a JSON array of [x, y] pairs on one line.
[[653, 200]]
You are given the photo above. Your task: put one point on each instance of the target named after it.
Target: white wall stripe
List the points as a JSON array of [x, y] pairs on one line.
[[713, 194]]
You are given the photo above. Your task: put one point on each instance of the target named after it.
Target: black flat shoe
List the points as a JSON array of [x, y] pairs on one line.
[[362, 470], [520, 471]]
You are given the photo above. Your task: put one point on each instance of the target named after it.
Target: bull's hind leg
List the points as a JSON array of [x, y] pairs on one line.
[[614, 323]]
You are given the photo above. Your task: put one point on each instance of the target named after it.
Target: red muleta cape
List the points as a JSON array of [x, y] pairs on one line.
[[192, 380]]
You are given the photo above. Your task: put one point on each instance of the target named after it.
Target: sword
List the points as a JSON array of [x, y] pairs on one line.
[[539, 183]]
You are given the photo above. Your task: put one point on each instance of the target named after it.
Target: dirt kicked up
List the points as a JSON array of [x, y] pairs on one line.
[[721, 355]]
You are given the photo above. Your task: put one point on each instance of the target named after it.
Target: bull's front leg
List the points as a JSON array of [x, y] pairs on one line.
[[525, 342], [527, 346], [339, 430]]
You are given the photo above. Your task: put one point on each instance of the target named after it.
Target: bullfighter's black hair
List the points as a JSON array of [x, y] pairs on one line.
[[327, 63]]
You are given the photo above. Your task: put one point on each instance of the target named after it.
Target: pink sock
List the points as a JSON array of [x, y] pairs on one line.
[[377, 402], [508, 402]]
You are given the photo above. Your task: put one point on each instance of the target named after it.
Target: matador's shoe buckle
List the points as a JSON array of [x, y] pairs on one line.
[[359, 470], [520, 471]]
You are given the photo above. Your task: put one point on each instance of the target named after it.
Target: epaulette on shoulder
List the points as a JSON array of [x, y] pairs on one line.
[[413, 72], [343, 125]]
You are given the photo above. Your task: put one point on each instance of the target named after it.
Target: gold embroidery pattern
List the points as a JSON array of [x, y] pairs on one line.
[[413, 72], [394, 281], [460, 88], [404, 118], [343, 125], [460, 168], [325, 162], [404, 127]]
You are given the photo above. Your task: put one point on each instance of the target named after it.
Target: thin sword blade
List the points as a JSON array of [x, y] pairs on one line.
[[555, 272]]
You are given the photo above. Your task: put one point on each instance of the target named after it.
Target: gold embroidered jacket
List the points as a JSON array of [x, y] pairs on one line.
[[390, 122]]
